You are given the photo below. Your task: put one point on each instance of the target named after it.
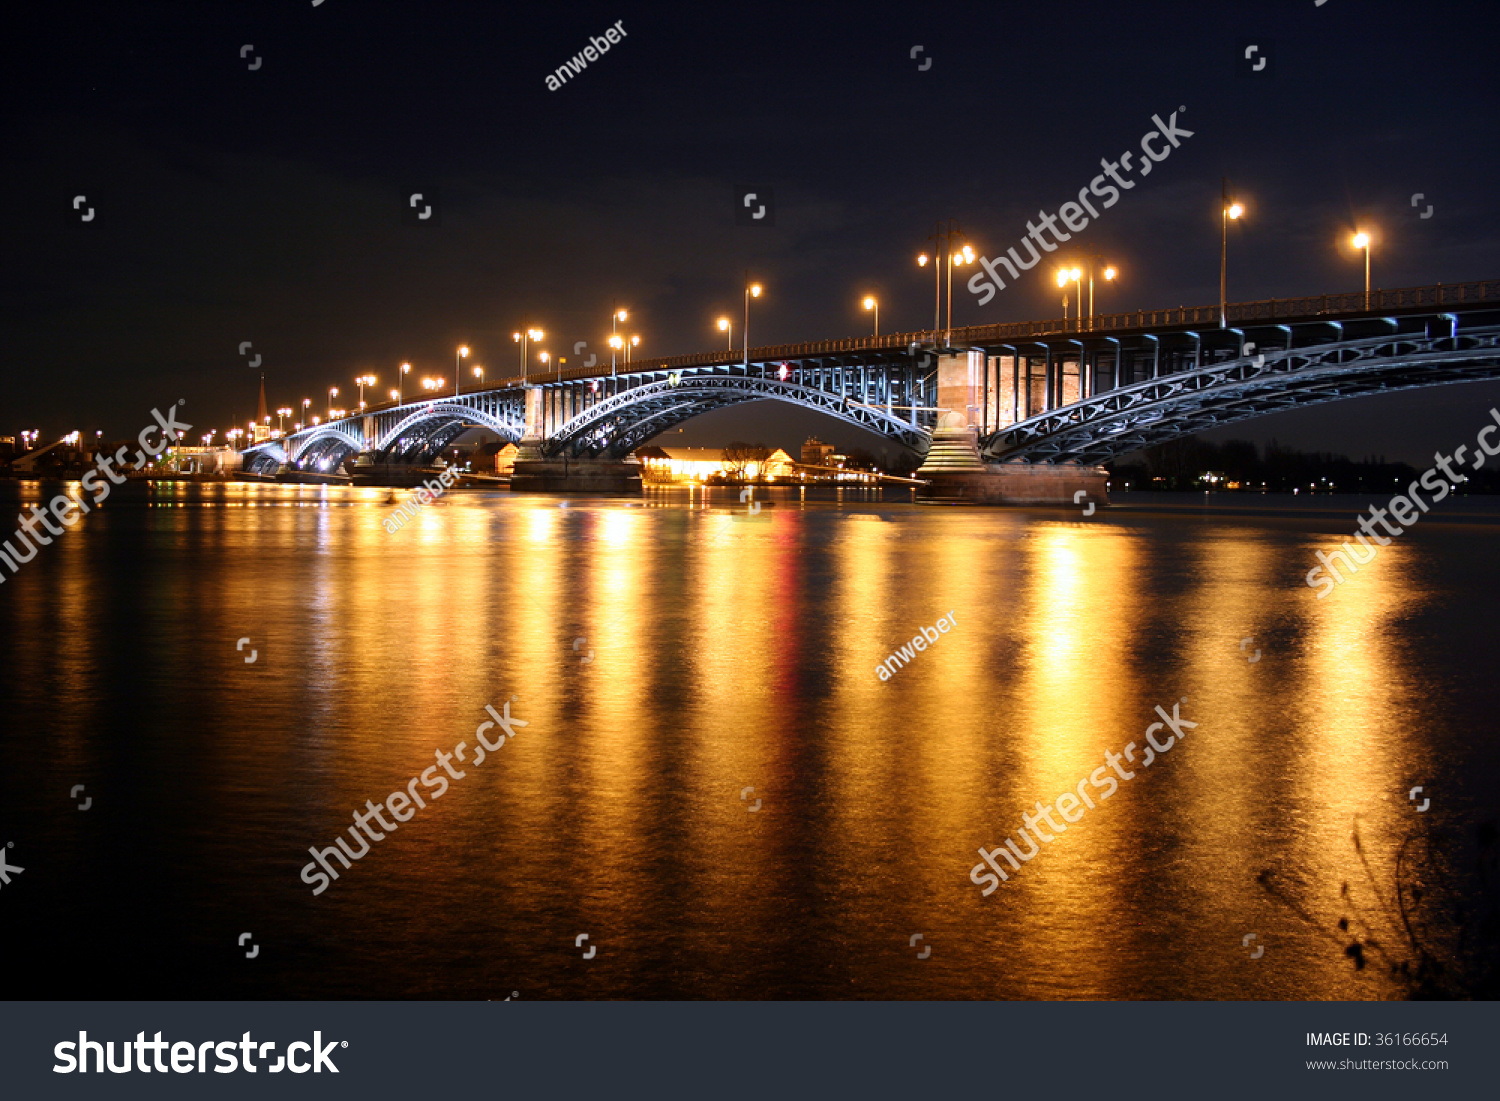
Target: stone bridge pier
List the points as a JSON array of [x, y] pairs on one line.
[[536, 472], [956, 474]]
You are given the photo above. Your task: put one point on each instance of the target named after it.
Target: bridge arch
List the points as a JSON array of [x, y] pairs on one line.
[[424, 432], [616, 426], [1127, 419]]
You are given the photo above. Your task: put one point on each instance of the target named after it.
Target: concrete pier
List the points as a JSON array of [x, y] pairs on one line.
[[956, 474]]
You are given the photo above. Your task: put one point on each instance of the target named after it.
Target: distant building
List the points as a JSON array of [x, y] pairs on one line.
[[699, 464], [816, 453]]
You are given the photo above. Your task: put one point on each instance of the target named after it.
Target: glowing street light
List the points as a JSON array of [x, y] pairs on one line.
[[1362, 240], [1064, 277], [281, 415], [635, 342], [752, 290], [616, 315], [872, 304], [463, 351], [725, 327], [363, 381], [479, 373], [333, 392], [395, 396], [1232, 212], [524, 339], [401, 381]]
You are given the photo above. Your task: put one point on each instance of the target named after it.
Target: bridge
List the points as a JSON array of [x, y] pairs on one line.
[[1020, 412]]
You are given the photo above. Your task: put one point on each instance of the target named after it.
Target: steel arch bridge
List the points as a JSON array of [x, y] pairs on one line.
[[618, 425], [1182, 404], [1060, 392], [406, 433]]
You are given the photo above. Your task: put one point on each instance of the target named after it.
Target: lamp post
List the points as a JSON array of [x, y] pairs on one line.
[[872, 304], [1362, 240], [1109, 275], [615, 316], [752, 290], [333, 392], [479, 374], [281, 415], [1064, 277], [542, 355], [524, 339], [401, 381], [463, 350], [965, 256], [725, 327], [635, 342], [395, 396], [1231, 211]]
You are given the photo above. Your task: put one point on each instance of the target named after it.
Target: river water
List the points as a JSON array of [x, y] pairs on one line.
[[671, 653]]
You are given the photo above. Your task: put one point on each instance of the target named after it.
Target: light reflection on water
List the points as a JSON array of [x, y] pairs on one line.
[[719, 653]]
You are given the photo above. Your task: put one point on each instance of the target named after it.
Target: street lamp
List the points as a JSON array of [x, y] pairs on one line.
[[1109, 275], [281, 415], [615, 316], [463, 350], [305, 403], [937, 302], [363, 381], [479, 373], [401, 381], [524, 338], [963, 256], [635, 342], [1231, 211], [1064, 277], [752, 290], [333, 392], [395, 396], [871, 304], [725, 327], [1362, 240], [542, 355]]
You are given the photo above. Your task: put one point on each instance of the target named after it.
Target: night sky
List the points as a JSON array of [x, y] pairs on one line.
[[266, 205]]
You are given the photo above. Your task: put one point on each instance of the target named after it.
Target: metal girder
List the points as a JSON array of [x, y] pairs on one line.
[[619, 424], [443, 418], [1171, 406]]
